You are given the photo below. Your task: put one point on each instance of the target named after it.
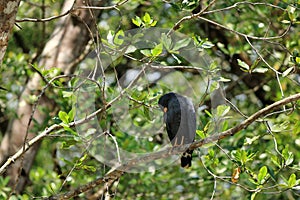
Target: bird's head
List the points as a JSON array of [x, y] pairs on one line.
[[164, 101]]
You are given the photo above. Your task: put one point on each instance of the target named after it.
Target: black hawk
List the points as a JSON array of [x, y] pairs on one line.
[[180, 119]]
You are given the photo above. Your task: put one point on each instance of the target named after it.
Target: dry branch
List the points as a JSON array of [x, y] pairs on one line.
[[118, 171]]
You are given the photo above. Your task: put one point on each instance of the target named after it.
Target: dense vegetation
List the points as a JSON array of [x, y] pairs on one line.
[[99, 110]]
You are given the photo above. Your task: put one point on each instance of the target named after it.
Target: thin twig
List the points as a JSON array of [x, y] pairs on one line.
[[70, 11], [245, 35], [102, 7], [118, 171], [186, 18], [242, 3], [55, 127]]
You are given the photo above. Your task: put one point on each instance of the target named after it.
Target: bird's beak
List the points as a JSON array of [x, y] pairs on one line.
[[165, 114]]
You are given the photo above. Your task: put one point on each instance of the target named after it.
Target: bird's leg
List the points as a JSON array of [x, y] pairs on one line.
[[182, 140], [178, 144], [175, 143]]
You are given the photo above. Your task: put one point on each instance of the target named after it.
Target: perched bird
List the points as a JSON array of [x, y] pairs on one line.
[[180, 119]]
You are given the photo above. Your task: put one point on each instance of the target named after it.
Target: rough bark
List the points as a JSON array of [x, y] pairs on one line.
[[8, 11], [64, 47]]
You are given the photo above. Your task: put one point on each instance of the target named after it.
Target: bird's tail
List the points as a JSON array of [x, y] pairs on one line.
[[186, 159]]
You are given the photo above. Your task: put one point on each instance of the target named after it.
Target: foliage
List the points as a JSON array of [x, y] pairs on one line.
[[259, 162]]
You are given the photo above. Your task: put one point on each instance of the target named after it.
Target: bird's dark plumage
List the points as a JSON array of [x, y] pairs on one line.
[[180, 119]]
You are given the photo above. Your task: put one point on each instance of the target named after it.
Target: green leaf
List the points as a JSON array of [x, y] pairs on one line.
[[213, 86], [153, 23], [285, 21], [287, 71], [262, 174], [181, 43], [222, 79], [147, 18], [277, 128], [242, 156], [166, 41], [176, 58], [213, 66], [297, 59], [260, 70], [207, 45], [275, 160], [130, 49], [249, 141], [147, 113], [70, 130], [208, 113], [137, 21], [71, 114], [201, 134], [222, 110], [63, 116], [253, 195], [146, 52], [88, 168], [68, 143], [119, 37], [291, 13], [244, 65], [292, 180], [288, 156], [67, 94], [157, 49]]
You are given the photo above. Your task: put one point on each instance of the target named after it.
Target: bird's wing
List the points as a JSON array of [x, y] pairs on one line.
[[173, 118], [188, 120]]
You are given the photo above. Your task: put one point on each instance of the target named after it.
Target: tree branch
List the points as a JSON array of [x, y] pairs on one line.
[[120, 170], [259, 114], [70, 11]]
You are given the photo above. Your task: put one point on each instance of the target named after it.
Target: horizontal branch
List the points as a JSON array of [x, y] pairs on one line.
[[259, 114], [243, 3], [72, 10], [116, 173]]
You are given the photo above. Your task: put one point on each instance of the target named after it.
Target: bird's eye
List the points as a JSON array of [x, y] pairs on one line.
[[161, 107], [165, 109]]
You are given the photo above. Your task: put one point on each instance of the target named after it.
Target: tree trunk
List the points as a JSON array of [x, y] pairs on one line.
[[8, 11], [66, 44]]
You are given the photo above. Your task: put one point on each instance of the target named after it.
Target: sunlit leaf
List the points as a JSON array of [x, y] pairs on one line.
[[137, 21], [260, 70], [71, 114], [287, 155], [244, 65], [201, 134], [63, 116], [157, 50], [181, 43], [119, 37], [147, 18], [292, 180], [146, 52], [222, 110], [67, 94], [262, 174], [287, 71], [213, 86]]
